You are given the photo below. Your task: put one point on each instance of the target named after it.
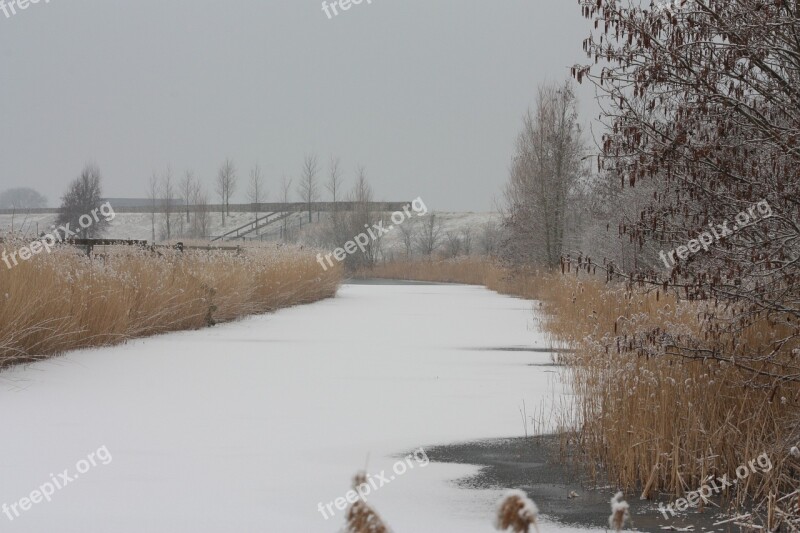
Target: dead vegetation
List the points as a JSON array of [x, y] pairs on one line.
[[517, 513], [361, 517], [619, 512], [65, 300]]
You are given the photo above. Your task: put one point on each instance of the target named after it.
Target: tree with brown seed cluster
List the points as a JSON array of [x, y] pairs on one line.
[[702, 104]]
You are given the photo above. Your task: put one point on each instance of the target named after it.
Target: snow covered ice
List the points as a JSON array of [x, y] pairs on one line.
[[247, 426]]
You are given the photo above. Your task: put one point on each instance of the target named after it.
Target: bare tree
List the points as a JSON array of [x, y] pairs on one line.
[[545, 169], [286, 188], [201, 221], [167, 199], [359, 220], [307, 188], [452, 244], [232, 184], [187, 188], [489, 238], [466, 240], [408, 234], [334, 184], [256, 192], [152, 195], [226, 186], [84, 195], [430, 235], [603, 207]]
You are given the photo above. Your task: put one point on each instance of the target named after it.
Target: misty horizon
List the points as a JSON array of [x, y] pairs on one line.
[[424, 96]]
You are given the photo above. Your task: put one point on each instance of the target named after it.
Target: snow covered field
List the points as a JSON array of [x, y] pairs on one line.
[[138, 226], [247, 427]]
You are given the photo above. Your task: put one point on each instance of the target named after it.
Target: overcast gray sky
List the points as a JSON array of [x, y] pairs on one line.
[[426, 94]]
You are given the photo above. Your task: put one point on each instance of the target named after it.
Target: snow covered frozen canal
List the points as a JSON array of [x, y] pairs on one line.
[[249, 426]]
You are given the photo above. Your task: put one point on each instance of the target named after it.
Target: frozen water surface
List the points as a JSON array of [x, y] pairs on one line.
[[248, 426]]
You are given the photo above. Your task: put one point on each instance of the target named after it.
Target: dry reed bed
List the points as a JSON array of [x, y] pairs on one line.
[[65, 300], [654, 419], [659, 421]]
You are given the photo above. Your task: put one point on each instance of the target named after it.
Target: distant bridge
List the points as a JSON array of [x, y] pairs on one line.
[[293, 207], [253, 227]]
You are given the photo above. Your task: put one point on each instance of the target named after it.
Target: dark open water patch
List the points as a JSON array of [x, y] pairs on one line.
[[520, 349], [530, 465]]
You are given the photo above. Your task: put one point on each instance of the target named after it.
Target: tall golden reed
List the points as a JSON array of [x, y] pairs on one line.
[[65, 300]]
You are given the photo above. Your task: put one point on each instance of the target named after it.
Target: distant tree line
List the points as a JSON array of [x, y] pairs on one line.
[[22, 198]]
